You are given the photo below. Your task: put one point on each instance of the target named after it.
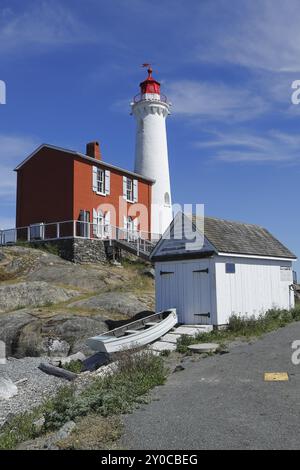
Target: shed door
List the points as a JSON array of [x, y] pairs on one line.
[[197, 302], [167, 292], [186, 287]]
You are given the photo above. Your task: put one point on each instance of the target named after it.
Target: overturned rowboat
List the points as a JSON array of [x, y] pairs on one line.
[[135, 334]]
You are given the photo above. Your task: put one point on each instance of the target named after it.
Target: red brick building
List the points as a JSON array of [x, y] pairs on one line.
[[60, 185]]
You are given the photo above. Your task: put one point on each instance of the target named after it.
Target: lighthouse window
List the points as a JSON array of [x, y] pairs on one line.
[[129, 189], [167, 199], [100, 181]]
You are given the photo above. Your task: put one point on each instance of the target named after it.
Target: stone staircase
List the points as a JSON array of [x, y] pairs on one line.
[[168, 342], [138, 247]]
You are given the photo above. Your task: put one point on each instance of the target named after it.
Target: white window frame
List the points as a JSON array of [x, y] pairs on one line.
[[129, 192], [100, 181]]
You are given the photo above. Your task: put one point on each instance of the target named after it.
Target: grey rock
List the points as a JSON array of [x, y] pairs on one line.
[[79, 356], [203, 347], [178, 368], [150, 272], [39, 423], [11, 325], [23, 294], [65, 430], [7, 388], [55, 347], [55, 337], [69, 274], [63, 433], [121, 302]]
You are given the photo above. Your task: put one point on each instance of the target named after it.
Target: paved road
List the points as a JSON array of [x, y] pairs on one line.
[[222, 402]]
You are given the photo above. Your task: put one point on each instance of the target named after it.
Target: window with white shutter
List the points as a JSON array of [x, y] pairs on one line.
[[101, 181], [107, 226], [129, 190], [125, 187], [95, 179], [107, 182], [135, 190]]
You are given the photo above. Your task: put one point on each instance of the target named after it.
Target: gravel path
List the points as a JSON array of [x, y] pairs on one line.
[[33, 388]]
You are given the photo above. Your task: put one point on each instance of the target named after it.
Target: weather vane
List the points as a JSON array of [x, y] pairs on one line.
[[149, 68]]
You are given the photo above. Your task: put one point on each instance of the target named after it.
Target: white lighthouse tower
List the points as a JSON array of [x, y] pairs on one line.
[[151, 109]]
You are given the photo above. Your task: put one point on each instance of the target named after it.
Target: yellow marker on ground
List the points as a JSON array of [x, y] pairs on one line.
[[276, 376]]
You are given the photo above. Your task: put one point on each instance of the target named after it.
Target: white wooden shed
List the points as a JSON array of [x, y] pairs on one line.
[[239, 269]]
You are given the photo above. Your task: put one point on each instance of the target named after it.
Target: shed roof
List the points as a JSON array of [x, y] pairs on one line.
[[241, 238], [221, 237]]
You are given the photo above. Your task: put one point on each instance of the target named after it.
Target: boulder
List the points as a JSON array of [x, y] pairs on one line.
[[69, 274], [11, 325], [150, 272], [55, 337], [122, 302], [203, 347], [7, 388], [54, 347], [23, 294]]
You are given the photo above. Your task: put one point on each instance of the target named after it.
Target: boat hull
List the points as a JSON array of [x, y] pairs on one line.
[[111, 344]]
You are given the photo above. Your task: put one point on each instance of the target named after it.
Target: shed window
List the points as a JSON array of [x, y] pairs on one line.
[[230, 268]]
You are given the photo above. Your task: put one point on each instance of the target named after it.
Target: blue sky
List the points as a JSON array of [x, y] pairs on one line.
[[72, 67]]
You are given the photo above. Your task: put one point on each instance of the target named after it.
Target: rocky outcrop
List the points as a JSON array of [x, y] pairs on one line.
[[11, 325], [121, 302], [35, 282], [26, 335], [23, 294]]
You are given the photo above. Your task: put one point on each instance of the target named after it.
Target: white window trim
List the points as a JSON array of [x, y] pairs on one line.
[[103, 173], [132, 190]]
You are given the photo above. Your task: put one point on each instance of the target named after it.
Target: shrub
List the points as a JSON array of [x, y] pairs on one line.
[[74, 366], [244, 326], [117, 393]]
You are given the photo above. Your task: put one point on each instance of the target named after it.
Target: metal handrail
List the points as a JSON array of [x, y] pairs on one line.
[[139, 97], [87, 230]]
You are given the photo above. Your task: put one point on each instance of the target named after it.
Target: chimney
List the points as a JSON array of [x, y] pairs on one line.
[[93, 150]]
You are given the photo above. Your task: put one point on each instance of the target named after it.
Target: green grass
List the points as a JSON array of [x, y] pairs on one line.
[[74, 366], [243, 327], [108, 396]]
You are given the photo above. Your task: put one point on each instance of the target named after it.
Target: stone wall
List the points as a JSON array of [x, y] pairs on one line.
[[77, 250], [83, 250]]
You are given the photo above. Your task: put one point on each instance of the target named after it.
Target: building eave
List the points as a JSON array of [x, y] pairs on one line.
[[86, 158], [254, 256]]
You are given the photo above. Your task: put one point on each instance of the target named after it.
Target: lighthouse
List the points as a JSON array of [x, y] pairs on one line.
[[150, 109]]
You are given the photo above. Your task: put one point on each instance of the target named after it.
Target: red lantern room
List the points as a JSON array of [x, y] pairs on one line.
[[150, 86]]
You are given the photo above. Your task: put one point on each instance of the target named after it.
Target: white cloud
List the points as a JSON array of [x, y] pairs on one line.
[[273, 146], [214, 101], [262, 35], [41, 24]]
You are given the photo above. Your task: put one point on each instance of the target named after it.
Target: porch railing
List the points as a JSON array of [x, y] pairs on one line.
[[140, 240]]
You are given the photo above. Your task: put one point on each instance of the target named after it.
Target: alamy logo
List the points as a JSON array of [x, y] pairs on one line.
[[296, 353], [2, 92], [295, 98], [2, 353]]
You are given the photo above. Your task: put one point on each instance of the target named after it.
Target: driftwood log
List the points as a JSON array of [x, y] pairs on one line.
[[57, 371]]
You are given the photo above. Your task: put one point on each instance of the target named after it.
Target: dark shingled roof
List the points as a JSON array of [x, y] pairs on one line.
[[240, 238]]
